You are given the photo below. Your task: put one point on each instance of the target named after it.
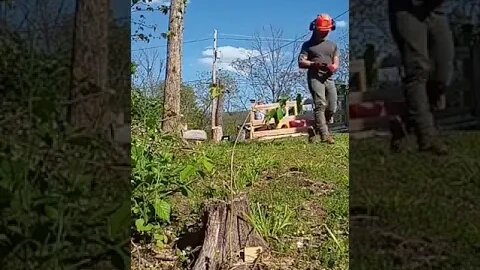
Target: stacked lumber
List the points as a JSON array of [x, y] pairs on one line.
[[371, 111]]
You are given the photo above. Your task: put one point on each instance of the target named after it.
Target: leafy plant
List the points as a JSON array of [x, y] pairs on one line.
[[62, 206], [271, 223], [156, 176], [299, 103], [216, 90], [278, 113]]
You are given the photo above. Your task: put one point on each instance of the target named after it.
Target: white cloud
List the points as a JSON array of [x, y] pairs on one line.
[[226, 55], [341, 23]]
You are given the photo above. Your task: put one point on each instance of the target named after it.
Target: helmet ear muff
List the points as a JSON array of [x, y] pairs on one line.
[[312, 25], [334, 25]]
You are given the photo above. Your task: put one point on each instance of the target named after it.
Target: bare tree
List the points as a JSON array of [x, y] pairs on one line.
[[272, 70], [148, 76], [343, 72], [44, 23], [231, 98], [143, 31], [173, 76]]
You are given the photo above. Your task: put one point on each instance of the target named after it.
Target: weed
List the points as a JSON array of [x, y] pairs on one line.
[[270, 222]]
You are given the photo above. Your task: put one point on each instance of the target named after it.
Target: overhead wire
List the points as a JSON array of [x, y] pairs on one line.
[[246, 38], [296, 39], [165, 45], [290, 41]]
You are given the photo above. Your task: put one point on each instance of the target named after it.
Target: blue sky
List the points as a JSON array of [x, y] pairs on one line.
[[235, 18]]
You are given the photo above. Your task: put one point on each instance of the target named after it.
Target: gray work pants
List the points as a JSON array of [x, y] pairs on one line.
[[427, 50], [324, 94]]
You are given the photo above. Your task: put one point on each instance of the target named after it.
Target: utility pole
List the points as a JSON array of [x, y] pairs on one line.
[[214, 78], [216, 130]]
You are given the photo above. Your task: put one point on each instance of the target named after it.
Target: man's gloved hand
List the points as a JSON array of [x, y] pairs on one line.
[[330, 69]]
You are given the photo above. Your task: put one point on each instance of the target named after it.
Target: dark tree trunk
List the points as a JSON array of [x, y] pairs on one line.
[[89, 87]]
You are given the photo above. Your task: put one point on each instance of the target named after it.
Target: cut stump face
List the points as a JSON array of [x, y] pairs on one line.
[[227, 234]]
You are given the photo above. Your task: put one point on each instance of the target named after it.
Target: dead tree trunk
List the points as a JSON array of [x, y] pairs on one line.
[[173, 74], [89, 88], [227, 233], [219, 113]]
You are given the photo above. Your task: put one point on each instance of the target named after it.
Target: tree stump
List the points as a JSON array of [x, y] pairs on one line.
[[227, 233], [217, 134]]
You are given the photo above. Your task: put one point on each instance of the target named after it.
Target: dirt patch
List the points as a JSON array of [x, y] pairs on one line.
[[413, 253], [148, 257], [318, 188], [314, 211], [301, 180], [406, 252]]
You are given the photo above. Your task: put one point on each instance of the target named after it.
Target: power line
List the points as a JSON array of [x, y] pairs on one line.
[[205, 39], [258, 39], [246, 37], [297, 39], [163, 46]]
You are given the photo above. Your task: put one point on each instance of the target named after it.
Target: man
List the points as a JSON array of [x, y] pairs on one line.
[[421, 30], [321, 57]]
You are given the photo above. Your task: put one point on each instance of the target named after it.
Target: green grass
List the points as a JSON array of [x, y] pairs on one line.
[[299, 194], [418, 212]]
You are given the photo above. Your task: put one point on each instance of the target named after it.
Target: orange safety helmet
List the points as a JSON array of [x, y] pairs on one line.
[[323, 23]]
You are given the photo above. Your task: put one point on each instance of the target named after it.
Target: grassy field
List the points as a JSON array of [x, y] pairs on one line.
[[302, 188], [414, 211]]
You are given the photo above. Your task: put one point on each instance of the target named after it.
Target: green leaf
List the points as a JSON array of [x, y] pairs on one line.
[[120, 219], [279, 115], [140, 224], [4, 238], [187, 173], [159, 236], [163, 210], [51, 212], [207, 165], [15, 229], [159, 243]]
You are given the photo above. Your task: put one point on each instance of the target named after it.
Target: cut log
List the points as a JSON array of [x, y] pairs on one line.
[[227, 234], [195, 135]]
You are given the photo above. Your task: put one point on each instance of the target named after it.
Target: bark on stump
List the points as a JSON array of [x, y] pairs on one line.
[[217, 134], [227, 233]]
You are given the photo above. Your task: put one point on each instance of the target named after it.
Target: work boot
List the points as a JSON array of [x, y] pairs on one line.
[[398, 132], [312, 135], [434, 146], [328, 139]]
